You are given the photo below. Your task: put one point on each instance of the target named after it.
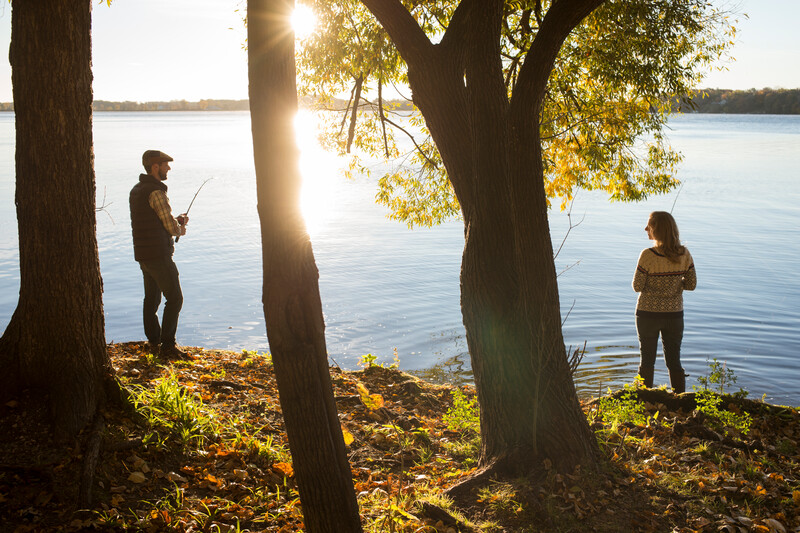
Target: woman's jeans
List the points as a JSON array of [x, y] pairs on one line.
[[671, 331], [161, 277]]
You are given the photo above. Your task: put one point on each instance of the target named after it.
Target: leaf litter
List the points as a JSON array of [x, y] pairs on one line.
[[206, 450]]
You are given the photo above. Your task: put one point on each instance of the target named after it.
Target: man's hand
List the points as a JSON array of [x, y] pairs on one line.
[[183, 219]]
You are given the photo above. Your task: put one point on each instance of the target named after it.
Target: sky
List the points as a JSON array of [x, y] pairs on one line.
[[161, 50]]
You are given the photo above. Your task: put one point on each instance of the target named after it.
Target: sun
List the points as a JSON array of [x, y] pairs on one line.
[[304, 21]]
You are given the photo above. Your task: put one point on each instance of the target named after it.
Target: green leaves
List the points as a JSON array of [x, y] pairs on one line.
[[728, 421], [626, 408], [464, 416], [604, 115]]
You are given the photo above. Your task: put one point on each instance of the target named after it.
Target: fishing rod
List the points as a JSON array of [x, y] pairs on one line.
[[192, 202], [676, 197]]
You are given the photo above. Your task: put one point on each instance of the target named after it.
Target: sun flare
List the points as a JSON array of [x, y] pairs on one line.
[[320, 172], [304, 21]]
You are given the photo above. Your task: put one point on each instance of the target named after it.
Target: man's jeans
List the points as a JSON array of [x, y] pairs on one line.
[[161, 277], [671, 330]]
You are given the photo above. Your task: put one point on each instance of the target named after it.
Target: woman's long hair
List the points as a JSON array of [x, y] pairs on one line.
[[665, 233]]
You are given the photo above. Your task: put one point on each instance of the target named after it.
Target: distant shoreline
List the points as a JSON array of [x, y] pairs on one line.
[[714, 101], [210, 105]]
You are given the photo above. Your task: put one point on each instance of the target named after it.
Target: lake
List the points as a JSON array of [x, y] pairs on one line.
[[385, 287]]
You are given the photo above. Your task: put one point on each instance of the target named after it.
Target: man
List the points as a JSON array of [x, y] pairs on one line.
[[153, 230]]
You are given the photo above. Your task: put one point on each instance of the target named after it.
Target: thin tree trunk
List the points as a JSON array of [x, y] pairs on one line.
[[292, 306], [55, 341]]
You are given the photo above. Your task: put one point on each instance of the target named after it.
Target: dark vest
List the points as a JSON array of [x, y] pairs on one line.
[[150, 239]]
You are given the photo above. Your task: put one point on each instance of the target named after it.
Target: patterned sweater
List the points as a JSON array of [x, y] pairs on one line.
[[660, 283]]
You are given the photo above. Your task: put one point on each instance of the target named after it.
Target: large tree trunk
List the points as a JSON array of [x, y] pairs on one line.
[[55, 341], [509, 294], [510, 300], [292, 305]]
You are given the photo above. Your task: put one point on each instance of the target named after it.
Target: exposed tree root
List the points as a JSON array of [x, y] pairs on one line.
[[436, 513], [91, 456], [511, 465], [687, 401]]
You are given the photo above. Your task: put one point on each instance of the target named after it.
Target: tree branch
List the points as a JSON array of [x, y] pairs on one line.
[[559, 21], [383, 118], [410, 135], [354, 115], [406, 34], [457, 35], [344, 116]]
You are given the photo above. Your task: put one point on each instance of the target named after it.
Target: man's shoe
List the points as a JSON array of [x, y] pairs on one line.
[[172, 352]]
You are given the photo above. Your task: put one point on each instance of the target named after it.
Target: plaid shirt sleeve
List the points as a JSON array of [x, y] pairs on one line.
[[160, 204]]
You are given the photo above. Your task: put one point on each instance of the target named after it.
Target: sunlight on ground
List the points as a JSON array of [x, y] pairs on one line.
[[320, 172], [303, 21]]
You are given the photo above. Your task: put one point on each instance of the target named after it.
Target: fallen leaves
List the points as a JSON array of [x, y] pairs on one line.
[[137, 477], [242, 475], [284, 468], [371, 401]]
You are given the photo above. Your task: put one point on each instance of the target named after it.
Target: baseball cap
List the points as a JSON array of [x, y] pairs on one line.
[[151, 157]]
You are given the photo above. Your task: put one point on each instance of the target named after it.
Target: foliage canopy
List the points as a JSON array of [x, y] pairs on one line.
[[604, 116]]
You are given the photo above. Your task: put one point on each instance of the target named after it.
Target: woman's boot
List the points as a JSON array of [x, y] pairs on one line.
[[677, 380], [647, 376]]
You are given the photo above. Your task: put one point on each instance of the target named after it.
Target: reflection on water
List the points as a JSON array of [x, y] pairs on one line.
[[597, 373], [455, 370], [319, 170]]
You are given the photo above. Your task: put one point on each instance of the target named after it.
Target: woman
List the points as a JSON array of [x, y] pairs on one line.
[[663, 273]]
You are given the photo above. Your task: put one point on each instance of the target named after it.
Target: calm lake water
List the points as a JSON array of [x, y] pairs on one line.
[[385, 287]]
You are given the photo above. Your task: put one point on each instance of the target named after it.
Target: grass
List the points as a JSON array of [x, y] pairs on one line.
[[172, 408]]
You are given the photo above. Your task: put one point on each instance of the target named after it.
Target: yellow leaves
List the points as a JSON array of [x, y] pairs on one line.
[[370, 401], [776, 477], [283, 468], [348, 437], [796, 497]]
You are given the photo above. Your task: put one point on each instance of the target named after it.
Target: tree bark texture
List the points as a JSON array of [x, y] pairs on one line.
[[292, 305], [55, 340], [491, 148]]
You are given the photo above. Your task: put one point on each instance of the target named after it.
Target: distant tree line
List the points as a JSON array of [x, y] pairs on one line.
[[173, 105], [749, 102], [752, 101], [205, 105]]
